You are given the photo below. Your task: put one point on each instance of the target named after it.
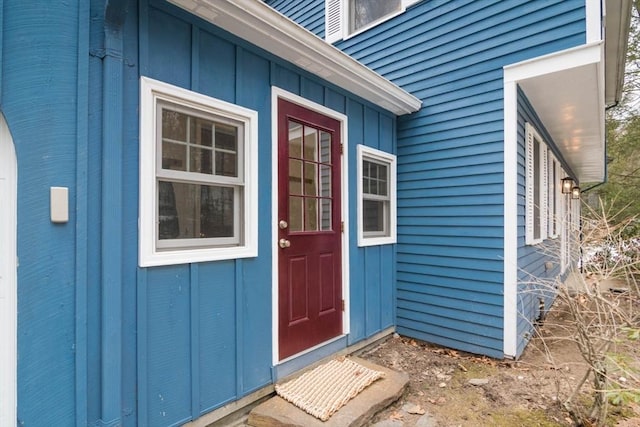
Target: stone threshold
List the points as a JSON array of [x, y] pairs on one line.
[[276, 412]]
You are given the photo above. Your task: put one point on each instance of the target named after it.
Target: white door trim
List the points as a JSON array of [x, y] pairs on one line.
[[281, 93], [8, 281]]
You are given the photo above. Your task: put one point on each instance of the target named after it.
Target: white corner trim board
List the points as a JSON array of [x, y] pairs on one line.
[[593, 20], [510, 301], [8, 278]]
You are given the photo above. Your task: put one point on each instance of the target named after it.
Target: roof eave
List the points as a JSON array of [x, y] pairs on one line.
[[259, 24], [566, 90]]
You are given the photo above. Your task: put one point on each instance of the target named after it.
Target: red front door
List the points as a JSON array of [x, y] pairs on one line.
[[309, 230]]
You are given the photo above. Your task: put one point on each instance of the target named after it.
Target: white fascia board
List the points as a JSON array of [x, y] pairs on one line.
[[259, 24], [558, 61]]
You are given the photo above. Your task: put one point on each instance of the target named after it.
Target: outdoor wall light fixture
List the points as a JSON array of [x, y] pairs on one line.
[[567, 185], [575, 193]]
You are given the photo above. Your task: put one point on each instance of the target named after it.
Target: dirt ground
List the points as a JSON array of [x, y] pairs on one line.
[[461, 389]]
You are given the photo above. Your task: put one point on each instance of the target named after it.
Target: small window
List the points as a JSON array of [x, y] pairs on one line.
[[362, 13], [536, 187], [376, 197], [344, 18], [197, 177]]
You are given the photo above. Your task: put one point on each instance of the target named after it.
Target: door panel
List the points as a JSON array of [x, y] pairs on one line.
[[309, 217], [298, 289], [327, 275]]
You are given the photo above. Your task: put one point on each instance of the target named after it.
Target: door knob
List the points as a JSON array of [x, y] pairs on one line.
[[284, 243]]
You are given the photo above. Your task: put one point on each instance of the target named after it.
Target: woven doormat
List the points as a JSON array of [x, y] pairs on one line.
[[327, 388]]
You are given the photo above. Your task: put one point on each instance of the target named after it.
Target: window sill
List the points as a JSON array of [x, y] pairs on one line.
[[376, 241], [153, 258]]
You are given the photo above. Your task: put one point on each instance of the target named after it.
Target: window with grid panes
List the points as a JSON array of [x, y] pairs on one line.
[[377, 203], [195, 166]]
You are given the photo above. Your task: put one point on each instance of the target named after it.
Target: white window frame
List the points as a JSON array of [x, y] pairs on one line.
[[337, 19], [377, 156], [245, 241], [533, 137]]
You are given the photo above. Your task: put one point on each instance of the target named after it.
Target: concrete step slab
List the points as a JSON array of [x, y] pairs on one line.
[[277, 412]]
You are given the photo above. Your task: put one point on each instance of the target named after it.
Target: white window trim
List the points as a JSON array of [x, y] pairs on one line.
[[337, 19], [150, 92], [390, 159], [531, 135]]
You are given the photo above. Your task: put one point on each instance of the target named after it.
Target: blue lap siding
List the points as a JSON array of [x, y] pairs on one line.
[[450, 54], [308, 13]]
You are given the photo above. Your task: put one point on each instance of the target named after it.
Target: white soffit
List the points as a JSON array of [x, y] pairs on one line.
[[259, 24], [566, 90]]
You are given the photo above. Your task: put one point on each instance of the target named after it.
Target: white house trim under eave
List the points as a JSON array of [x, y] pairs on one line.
[[566, 89], [259, 24]]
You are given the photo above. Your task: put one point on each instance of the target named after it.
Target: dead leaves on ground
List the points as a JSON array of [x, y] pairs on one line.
[[396, 415], [454, 354], [438, 401]]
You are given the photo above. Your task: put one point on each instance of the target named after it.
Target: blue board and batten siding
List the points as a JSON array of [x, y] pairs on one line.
[[100, 340], [217, 316], [450, 54]]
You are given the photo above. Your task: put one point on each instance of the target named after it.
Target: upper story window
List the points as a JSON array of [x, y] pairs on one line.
[[376, 197], [345, 18], [362, 13], [197, 177]]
